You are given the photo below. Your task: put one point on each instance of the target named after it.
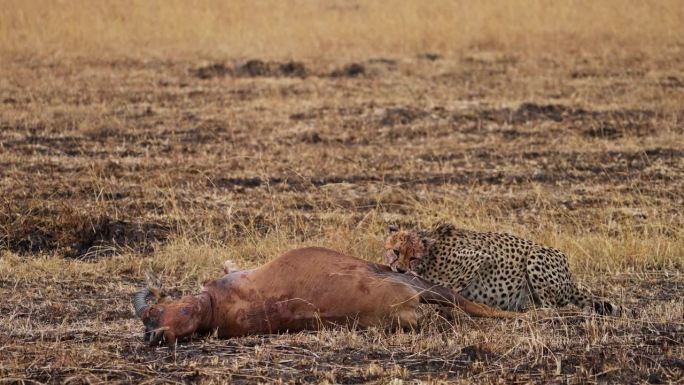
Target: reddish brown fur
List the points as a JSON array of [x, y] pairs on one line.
[[300, 290]]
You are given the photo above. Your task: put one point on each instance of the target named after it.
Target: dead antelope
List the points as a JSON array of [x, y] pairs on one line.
[[302, 289]]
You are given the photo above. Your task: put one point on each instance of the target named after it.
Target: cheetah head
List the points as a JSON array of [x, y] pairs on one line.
[[404, 250]]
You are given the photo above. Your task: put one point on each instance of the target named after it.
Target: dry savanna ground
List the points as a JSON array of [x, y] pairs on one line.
[[128, 146]]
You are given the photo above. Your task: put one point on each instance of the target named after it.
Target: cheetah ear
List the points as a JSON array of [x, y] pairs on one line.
[[425, 242], [444, 229], [392, 229]]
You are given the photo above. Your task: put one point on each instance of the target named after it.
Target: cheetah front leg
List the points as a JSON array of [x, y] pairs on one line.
[[544, 280], [470, 272]]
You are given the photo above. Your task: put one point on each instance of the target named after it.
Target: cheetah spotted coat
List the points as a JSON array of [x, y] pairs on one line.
[[500, 270]]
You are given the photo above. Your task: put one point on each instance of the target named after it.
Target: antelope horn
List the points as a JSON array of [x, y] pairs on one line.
[[139, 301]]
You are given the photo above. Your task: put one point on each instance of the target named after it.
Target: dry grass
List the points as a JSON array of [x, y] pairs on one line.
[[121, 152], [313, 29]]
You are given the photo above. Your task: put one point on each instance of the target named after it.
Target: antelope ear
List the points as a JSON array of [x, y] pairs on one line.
[[392, 229]]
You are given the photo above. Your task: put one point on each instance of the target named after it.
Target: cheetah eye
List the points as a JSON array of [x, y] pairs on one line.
[[396, 252]]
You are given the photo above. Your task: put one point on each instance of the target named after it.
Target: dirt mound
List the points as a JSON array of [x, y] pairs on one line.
[[401, 115], [259, 68], [212, 71], [352, 70], [430, 56], [532, 111], [253, 68]]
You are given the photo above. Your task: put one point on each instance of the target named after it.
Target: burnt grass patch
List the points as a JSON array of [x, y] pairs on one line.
[[609, 124], [512, 123], [77, 235], [106, 237], [575, 167]]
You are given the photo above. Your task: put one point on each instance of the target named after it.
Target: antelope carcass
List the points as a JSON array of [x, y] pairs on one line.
[[303, 289]]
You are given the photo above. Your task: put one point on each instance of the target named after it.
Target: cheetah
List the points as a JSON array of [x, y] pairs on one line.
[[499, 270]]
